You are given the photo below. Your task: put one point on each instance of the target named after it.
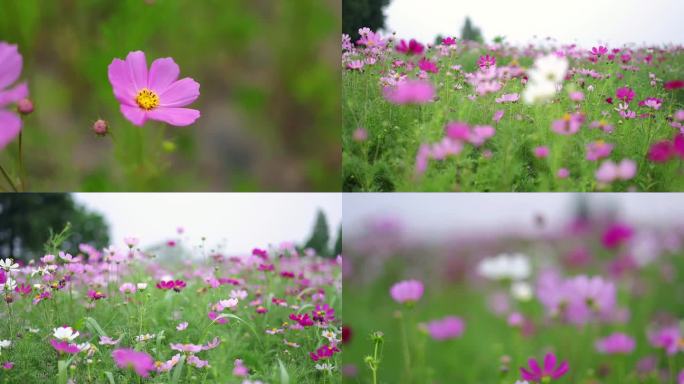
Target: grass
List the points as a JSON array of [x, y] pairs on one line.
[[386, 160]]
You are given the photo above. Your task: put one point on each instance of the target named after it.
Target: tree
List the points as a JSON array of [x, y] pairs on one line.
[[362, 13], [338, 243], [471, 32], [27, 219], [320, 235]]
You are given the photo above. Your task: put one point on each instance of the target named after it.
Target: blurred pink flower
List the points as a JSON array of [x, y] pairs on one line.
[[428, 66], [449, 327], [239, 370], [11, 63], [563, 173], [410, 92], [625, 94], [541, 152], [569, 124], [407, 291], [498, 115], [360, 134], [486, 61], [64, 346], [615, 343], [155, 94], [598, 149], [609, 171], [141, 362], [667, 338], [616, 235], [508, 98], [412, 48]]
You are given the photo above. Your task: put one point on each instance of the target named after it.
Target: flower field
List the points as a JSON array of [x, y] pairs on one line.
[[121, 315], [463, 116], [597, 299]]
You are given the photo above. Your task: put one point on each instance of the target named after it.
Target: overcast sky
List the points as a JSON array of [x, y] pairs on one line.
[[437, 214], [585, 22], [242, 220]]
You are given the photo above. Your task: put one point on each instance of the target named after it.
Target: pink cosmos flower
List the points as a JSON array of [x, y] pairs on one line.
[[407, 291], [668, 338], [412, 48], [324, 352], [213, 343], [625, 94], [449, 327], [609, 171], [598, 149], [95, 295], [10, 69], [563, 173], [576, 96], [176, 285], [428, 66], [7, 365], [239, 370], [673, 84], [106, 340], [127, 288], [486, 61], [615, 343], [616, 235], [651, 102], [355, 65], [541, 152], [661, 151], [323, 314], [3, 276], [155, 94], [64, 346], [508, 98], [213, 316], [370, 39], [449, 41], [141, 362], [410, 92], [599, 51], [182, 326], [303, 320], [360, 134], [569, 124], [188, 348], [550, 371], [498, 115]]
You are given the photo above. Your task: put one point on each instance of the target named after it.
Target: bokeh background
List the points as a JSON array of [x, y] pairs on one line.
[[270, 100]]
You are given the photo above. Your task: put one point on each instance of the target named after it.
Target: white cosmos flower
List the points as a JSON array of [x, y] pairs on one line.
[[142, 286], [5, 343], [230, 303], [521, 290], [9, 285], [505, 266], [144, 337], [65, 333], [545, 78], [8, 265], [325, 367]]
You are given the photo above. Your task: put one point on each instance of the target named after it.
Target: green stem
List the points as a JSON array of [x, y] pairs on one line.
[[22, 172], [9, 180], [405, 346]]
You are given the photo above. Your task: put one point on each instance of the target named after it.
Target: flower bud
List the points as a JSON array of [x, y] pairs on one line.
[[100, 127], [25, 106]]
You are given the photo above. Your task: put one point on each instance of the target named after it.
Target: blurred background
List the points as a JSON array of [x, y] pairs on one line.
[[584, 22], [270, 100], [173, 225]]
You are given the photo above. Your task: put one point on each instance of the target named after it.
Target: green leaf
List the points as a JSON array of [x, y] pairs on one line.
[[249, 325], [110, 377], [177, 370], [62, 376], [284, 376], [94, 327]]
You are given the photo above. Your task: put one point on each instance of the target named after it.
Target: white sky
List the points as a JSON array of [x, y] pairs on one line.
[[585, 22], [434, 215], [241, 220]]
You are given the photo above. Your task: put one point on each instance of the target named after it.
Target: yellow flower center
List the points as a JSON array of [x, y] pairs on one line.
[[566, 117], [147, 99]]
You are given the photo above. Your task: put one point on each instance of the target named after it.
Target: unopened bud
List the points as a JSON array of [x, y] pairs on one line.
[[25, 106], [100, 127]]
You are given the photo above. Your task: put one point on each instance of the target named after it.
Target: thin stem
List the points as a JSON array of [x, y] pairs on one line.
[[404, 342], [22, 171], [9, 180]]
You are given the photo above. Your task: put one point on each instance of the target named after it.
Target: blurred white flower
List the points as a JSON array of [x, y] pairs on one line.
[[65, 333], [8, 265], [9, 285], [545, 78], [521, 290], [505, 266]]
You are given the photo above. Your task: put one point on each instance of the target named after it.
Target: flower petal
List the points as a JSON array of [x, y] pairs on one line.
[[10, 62], [13, 95], [135, 115], [122, 84], [163, 72], [10, 125], [179, 117], [137, 66], [534, 366], [527, 375], [180, 93], [549, 362], [562, 370]]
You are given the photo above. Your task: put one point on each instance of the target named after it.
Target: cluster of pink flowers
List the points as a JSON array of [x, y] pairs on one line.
[[578, 300], [11, 63], [176, 285]]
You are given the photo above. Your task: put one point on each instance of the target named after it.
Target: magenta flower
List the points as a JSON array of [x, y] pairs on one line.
[[371, 39], [541, 152], [7, 365], [486, 61], [10, 69], [323, 314], [449, 41], [625, 94], [609, 171], [95, 295], [189, 348], [598, 149], [673, 84], [64, 346], [303, 320], [176, 285], [661, 151], [141, 362], [213, 316], [599, 51], [449, 327], [616, 234], [239, 370], [508, 98], [651, 102], [410, 92], [412, 48], [563, 173], [548, 373], [407, 291], [498, 115], [155, 94], [324, 352], [3, 276], [428, 66], [615, 343]]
